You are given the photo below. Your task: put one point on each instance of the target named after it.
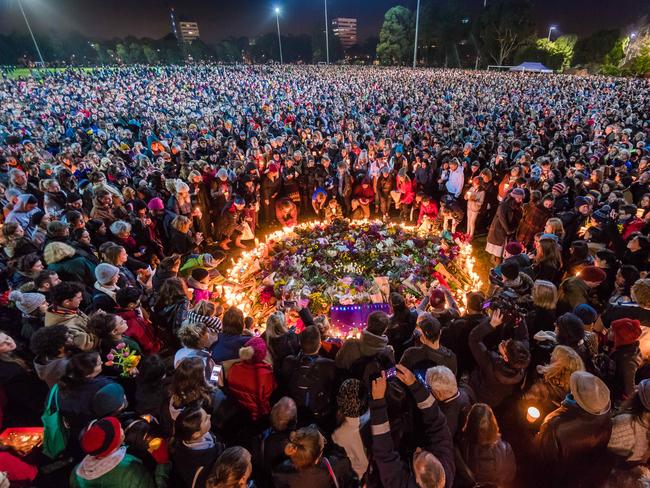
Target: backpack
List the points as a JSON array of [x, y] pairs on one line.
[[307, 389], [55, 432]]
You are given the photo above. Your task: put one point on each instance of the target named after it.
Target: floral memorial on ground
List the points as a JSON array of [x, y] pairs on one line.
[[347, 263]]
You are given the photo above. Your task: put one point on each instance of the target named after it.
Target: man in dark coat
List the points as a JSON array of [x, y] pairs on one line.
[[498, 374], [505, 222], [270, 189], [572, 441], [433, 463]]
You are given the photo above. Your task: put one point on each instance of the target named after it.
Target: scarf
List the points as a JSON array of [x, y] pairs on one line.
[[92, 467], [205, 442], [110, 291]]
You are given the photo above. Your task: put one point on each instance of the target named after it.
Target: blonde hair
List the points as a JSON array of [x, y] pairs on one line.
[[190, 335], [564, 362], [57, 251], [557, 227], [641, 292], [207, 308], [545, 294], [181, 223], [276, 325]]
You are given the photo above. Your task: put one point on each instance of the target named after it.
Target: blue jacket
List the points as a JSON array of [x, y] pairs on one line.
[[227, 347], [393, 471]]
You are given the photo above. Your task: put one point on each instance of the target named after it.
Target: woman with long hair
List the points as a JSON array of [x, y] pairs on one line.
[[232, 469], [544, 296], [484, 456], [556, 227], [550, 389], [547, 263], [626, 276], [172, 306], [281, 341], [630, 437]]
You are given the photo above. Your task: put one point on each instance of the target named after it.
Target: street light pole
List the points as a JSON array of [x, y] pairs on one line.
[[277, 19], [29, 28], [550, 29], [327, 36], [417, 25]]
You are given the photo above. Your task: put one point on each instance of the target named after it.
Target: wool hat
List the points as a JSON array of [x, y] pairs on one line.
[[27, 302], [102, 437], [254, 350], [156, 204], [580, 201], [590, 393], [105, 272], [518, 192], [559, 188], [602, 214], [643, 391], [626, 331], [586, 313], [437, 298], [570, 328], [108, 400], [352, 398], [209, 260], [592, 274], [514, 248]]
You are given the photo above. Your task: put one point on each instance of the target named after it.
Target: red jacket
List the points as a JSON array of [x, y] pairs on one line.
[[364, 193], [430, 211], [407, 190], [252, 385], [140, 330], [634, 225]]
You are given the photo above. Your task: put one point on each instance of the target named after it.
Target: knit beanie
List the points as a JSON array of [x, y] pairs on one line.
[[108, 400], [559, 188], [105, 272], [586, 313], [626, 331], [254, 350], [602, 214], [514, 248], [156, 204], [592, 274], [590, 393], [101, 437], [580, 201], [518, 192], [27, 302], [352, 398], [571, 330]]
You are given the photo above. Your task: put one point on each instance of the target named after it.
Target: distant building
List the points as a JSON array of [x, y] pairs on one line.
[[346, 30], [189, 31]]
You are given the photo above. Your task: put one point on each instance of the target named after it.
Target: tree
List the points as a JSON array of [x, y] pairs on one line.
[[396, 36], [443, 26], [150, 54], [319, 52], [593, 49], [503, 27]]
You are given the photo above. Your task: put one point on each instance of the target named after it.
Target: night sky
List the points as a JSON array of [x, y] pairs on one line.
[[219, 19]]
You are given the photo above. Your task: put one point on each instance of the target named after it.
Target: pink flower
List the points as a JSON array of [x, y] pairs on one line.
[[120, 346], [110, 357], [125, 354]]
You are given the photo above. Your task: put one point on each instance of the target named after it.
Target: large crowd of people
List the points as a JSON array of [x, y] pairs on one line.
[[123, 191]]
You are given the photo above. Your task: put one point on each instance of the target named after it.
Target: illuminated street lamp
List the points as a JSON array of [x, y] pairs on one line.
[[417, 25], [550, 29], [277, 19], [29, 28]]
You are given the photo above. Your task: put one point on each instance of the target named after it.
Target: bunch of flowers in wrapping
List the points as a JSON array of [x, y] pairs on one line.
[[123, 357]]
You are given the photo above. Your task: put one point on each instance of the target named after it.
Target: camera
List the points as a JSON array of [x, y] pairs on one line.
[[507, 301]]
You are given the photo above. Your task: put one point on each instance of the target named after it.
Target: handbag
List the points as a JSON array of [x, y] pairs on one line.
[[55, 432]]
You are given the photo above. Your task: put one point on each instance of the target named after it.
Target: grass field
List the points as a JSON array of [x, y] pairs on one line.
[[36, 72]]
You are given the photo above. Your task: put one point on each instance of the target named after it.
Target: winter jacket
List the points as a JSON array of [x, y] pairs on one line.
[[572, 444], [627, 359], [76, 269], [140, 330], [543, 395], [227, 347], [533, 221], [424, 356], [475, 198], [493, 380], [493, 463], [572, 292], [400, 330], [430, 211], [455, 408], [629, 437], [286, 475], [285, 345], [103, 301], [456, 338], [76, 322], [385, 185], [368, 345], [252, 384], [349, 436], [505, 222], [406, 189], [98, 473], [393, 471], [186, 458]]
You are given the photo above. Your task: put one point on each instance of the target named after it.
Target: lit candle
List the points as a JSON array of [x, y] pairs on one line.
[[532, 414]]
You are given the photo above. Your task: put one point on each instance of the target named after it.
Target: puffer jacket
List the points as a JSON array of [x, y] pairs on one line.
[[129, 473], [75, 268], [252, 384], [368, 345], [493, 380], [493, 463]]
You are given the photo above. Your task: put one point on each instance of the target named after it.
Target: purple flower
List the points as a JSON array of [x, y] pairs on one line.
[[110, 357]]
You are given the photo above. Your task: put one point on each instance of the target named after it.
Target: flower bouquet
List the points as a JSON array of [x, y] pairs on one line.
[[124, 358]]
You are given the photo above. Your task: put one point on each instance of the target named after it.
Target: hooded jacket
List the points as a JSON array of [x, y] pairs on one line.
[[129, 472], [252, 384], [368, 345], [50, 371], [19, 214], [76, 323]]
